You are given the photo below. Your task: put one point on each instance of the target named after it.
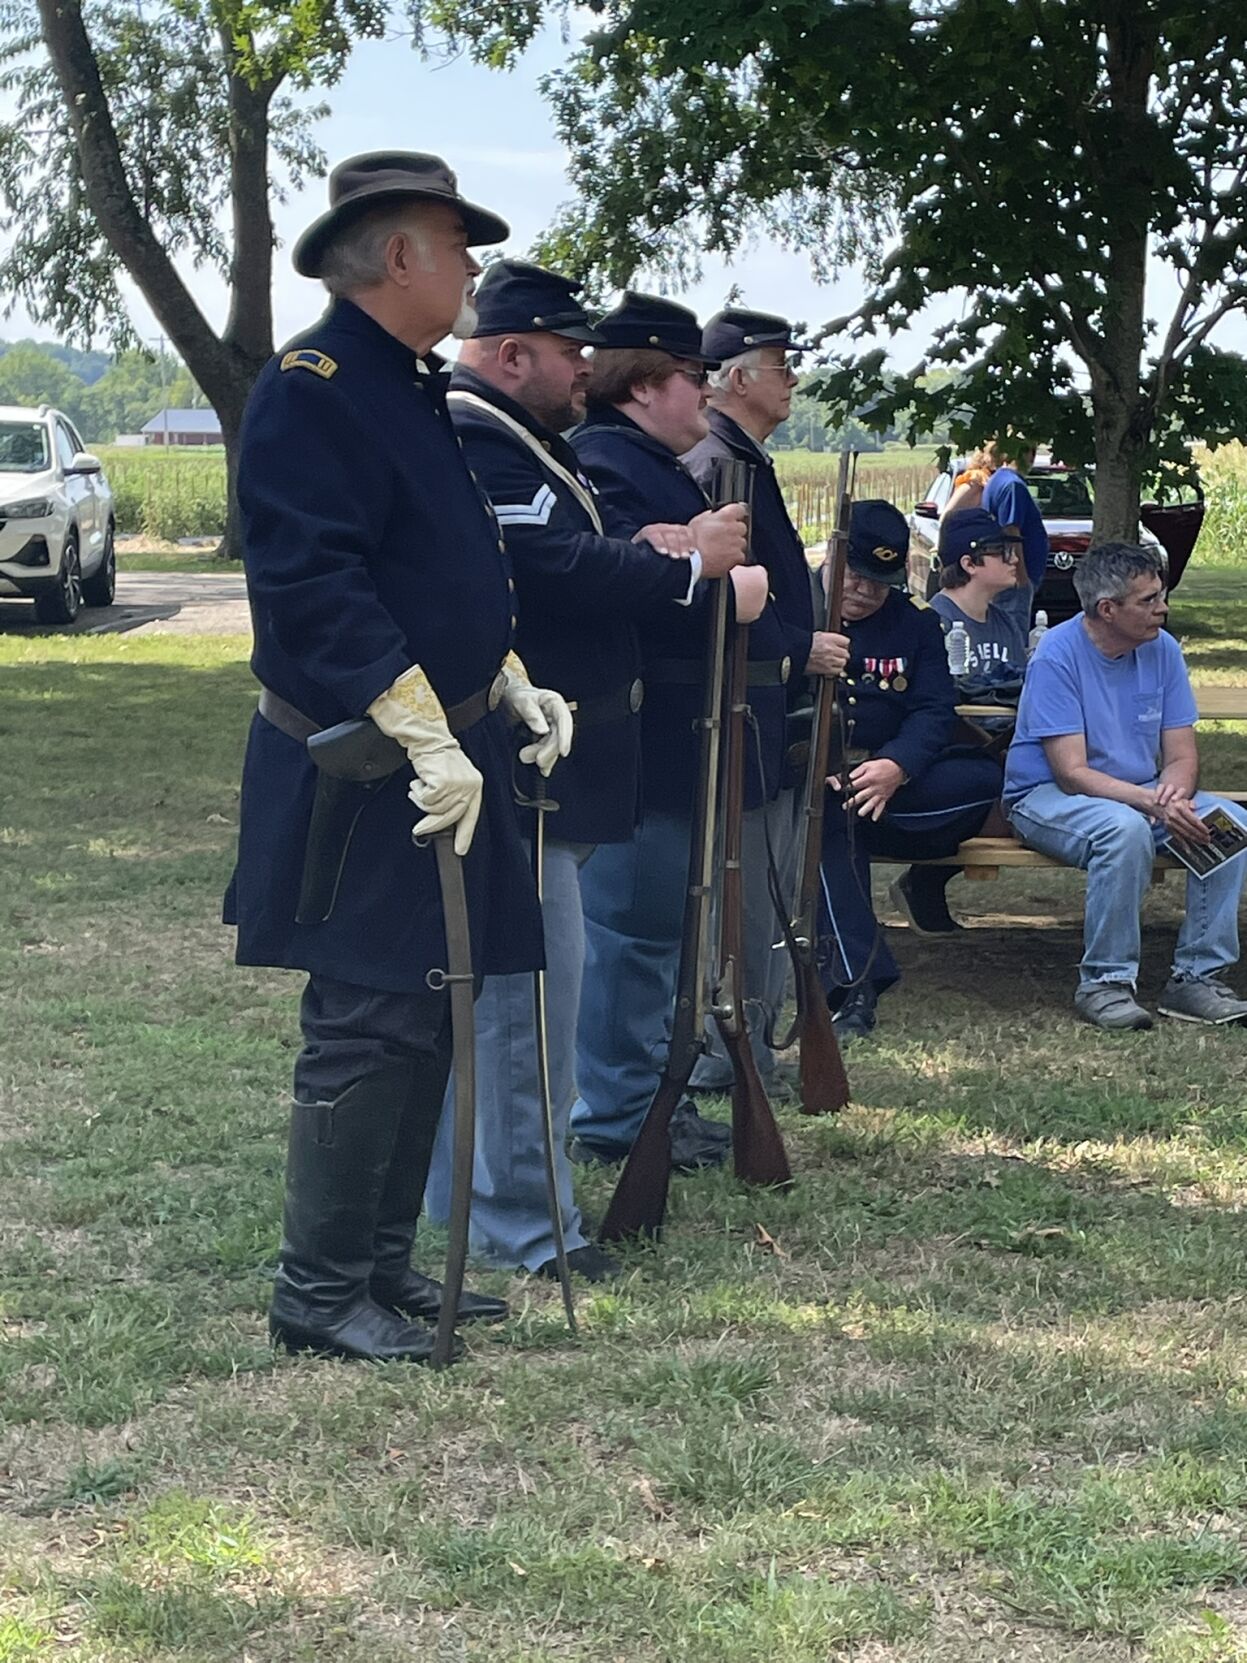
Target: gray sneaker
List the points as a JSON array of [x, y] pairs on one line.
[[1202, 1000], [1111, 1005]]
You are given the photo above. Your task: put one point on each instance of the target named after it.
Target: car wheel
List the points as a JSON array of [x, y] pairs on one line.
[[100, 588], [63, 604]]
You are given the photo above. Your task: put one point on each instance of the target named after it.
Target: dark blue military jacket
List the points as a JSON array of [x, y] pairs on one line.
[[578, 595], [368, 548], [640, 482], [910, 724], [776, 544]]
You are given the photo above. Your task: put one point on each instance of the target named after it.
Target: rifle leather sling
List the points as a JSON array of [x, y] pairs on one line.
[[459, 717], [691, 672]]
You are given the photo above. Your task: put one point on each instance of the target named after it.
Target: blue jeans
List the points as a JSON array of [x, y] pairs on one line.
[[766, 967], [510, 1209], [1115, 845], [634, 908]]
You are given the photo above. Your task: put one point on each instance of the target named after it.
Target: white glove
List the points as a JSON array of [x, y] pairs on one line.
[[545, 713], [447, 788]]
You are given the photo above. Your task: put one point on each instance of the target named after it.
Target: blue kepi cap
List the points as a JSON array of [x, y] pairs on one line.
[[515, 297], [644, 321], [878, 541]]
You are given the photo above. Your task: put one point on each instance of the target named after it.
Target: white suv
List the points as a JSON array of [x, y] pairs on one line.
[[56, 516]]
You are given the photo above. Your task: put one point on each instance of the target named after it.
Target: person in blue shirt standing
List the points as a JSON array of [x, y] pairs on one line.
[[1103, 767], [581, 598], [750, 395], [1007, 498], [646, 403], [379, 586]]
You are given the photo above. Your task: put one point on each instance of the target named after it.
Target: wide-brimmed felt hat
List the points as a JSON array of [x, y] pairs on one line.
[[362, 183], [733, 332], [645, 322], [878, 541], [515, 297]]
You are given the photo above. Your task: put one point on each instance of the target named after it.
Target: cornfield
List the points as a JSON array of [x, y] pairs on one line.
[[812, 501], [168, 494]]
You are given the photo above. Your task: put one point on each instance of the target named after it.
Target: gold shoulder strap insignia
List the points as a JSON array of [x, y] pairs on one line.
[[306, 358]]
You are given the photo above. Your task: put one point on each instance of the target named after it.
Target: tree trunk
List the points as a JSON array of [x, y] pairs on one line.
[[1121, 433], [230, 410], [1122, 414], [225, 366]]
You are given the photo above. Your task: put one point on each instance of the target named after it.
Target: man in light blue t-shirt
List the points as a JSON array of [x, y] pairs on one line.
[[1103, 767]]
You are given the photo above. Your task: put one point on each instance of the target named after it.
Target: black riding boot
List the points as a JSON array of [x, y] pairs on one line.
[[395, 1285], [339, 1157]]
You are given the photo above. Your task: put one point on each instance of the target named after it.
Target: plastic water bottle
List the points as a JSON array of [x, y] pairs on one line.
[[1037, 631], [958, 646]]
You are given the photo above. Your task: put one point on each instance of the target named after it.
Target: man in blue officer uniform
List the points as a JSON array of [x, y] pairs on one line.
[[904, 790], [645, 409], [750, 395], [519, 381], [379, 585]]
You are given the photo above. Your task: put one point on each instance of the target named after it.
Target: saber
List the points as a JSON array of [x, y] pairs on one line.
[[542, 804], [458, 978]]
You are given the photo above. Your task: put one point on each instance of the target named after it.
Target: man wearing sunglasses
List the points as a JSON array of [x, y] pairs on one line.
[[978, 588]]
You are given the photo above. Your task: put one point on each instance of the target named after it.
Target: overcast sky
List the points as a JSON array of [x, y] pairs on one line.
[[496, 132]]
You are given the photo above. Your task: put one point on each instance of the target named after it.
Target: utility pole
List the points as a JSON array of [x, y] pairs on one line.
[[164, 397]]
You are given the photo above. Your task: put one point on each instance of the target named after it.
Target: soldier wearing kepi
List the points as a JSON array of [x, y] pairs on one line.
[[645, 409], [750, 395], [518, 383], [379, 586], [904, 789]]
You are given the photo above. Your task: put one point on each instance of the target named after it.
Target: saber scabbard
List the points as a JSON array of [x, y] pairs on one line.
[[542, 804], [457, 977]]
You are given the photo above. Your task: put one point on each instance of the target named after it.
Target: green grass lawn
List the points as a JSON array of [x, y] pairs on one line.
[[974, 1392]]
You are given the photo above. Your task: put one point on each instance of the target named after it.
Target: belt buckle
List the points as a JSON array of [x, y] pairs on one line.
[[636, 695], [785, 670], [497, 688]]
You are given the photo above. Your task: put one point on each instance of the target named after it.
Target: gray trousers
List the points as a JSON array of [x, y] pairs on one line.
[[510, 1211], [767, 969]]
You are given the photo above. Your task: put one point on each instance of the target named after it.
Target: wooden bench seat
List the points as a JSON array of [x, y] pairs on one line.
[[983, 857]]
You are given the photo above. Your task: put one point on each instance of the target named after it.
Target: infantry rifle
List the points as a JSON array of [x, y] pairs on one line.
[[639, 1203], [824, 1085], [757, 1148]]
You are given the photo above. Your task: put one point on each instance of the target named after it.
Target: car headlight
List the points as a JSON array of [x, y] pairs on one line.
[[34, 508]]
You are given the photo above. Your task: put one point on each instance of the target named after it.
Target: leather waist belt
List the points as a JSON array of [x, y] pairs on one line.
[[459, 717], [611, 707], [691, 672]]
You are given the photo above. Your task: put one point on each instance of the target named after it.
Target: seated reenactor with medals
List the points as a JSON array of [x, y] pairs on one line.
[[645, 409], [905, 790], [379, 587], [580, 595]]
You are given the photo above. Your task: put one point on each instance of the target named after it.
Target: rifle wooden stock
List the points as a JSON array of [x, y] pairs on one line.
[[639, 1203], [824, 1083], [758, 1151]]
